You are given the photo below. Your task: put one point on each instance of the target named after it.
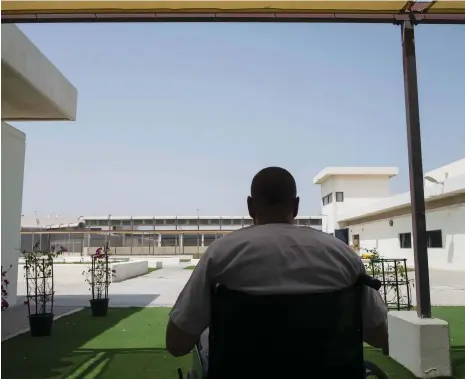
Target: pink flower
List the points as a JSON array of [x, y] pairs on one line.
[[6, 281]]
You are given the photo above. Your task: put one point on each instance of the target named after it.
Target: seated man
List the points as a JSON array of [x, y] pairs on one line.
[[271, 257]]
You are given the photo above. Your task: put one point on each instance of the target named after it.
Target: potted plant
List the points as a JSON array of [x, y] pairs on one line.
[[38, 270], [98, 276], [5, 282]]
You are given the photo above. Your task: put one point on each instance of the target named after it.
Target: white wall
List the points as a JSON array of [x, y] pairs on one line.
[[385, 238], [358, 190], [13, 153]]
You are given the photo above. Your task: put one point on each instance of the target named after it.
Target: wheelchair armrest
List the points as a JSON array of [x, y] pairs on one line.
[[371, 282]]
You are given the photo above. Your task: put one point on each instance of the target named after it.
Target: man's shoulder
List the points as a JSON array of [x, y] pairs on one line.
[[232, 238]]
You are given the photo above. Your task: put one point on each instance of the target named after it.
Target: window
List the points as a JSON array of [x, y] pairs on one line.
[[248, 221], [226, 221], [237, 221], [159, 222], [92, 222], [126, 222], [328, 199], [316, 221], [405, 240], [182, 221], [204, 221], [434, 238], [339, 197], [214, 221]]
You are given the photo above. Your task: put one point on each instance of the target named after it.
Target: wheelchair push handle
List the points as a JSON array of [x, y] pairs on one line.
[[371, 282]]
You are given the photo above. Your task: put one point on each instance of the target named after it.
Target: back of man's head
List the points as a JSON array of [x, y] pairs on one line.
[[273, 196]]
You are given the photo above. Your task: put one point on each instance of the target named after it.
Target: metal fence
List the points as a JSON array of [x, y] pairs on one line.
[[396, 288], [122, 242]]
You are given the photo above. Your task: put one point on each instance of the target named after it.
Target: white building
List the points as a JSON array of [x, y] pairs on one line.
[[360, 210], [32, 90]]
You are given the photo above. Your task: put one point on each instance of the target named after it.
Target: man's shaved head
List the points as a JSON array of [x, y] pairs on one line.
[[273, 196]]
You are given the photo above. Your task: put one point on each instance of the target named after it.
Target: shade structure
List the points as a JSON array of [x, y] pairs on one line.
[[305, 10]]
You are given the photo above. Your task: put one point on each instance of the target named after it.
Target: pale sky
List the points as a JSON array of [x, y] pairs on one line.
[[178, 117]]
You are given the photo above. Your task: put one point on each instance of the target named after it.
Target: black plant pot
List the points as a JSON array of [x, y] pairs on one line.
[[41, 324], [99, 307]]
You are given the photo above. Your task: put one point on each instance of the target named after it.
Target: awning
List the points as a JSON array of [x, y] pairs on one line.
[[376, 11]]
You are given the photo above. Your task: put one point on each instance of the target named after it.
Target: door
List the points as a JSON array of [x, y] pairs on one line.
[[342, 234], [356, 242]]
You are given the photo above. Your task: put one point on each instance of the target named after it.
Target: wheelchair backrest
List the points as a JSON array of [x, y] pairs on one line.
[[286, 336]]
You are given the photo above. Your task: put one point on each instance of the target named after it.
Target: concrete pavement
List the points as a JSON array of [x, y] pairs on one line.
[[447, 287], [162, 287]]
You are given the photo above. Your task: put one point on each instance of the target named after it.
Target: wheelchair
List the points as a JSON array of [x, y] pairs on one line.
[[244, 345]]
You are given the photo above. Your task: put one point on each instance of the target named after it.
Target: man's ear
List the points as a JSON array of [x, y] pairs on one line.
[[296, 207], [251, 207]]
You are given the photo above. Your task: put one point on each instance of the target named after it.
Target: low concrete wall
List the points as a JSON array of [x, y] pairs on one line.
[[127, 270], [139, 250]]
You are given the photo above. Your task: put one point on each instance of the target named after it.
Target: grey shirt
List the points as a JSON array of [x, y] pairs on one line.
[[273, 259]]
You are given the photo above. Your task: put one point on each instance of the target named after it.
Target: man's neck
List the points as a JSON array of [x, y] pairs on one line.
[[273, 220]]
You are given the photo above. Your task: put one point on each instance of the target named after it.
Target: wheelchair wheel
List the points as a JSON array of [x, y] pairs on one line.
[[374, 372]]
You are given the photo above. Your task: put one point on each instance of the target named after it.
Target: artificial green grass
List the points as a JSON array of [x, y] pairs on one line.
[[185, 260], [189, 268], [129, 344]]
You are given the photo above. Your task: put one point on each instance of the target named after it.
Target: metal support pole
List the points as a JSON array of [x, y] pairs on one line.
[[417, 195], [198, 232]]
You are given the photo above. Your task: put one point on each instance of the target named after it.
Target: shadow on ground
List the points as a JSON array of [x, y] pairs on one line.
[[126, 363], [128, 343], [458, 361], [48, 357]]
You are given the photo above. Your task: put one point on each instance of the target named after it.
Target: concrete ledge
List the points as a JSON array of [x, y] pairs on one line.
[[194, 262], [159, 265], [32, 87], [420, 345], [127, 270]]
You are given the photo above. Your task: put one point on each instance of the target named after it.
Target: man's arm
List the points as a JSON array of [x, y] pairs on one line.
[[375, 331], [190, 315]]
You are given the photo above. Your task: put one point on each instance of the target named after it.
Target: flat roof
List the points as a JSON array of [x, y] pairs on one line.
[[187, 10], [327, 172], [449, 187], [111, 217]]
